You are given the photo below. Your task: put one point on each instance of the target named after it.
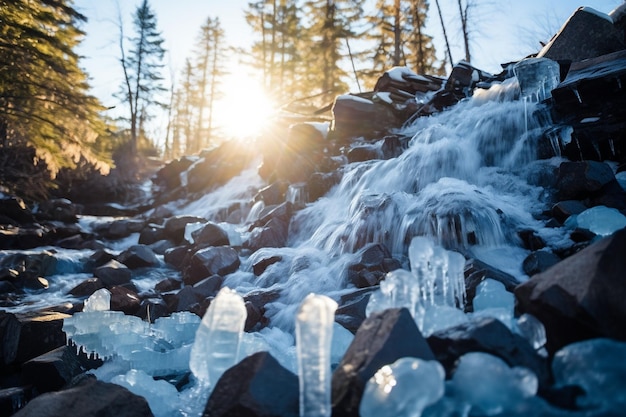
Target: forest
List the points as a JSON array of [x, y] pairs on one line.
[[56, 137]]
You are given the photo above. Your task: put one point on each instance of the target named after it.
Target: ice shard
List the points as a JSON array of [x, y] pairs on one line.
[[537, 77], [216, 346], [314, 330], [398, 289], [98, 301], [403, 389]]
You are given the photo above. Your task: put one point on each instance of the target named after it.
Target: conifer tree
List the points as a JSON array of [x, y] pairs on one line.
[[44, 100]]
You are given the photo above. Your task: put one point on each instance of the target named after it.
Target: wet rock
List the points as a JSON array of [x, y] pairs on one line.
[[249, 389], [477, 271], [254, 316], [88, 398], [176, 256], [168, 284], [601, 37], [582, 296], [120, 228], [210, 235], [52, 370], [169, 175], [175, 227], [359, 115], [351, 311], [87, 287], [392, 147], [29, 265], [371, 265], [489, 335], [60, 209], [531, 240], [99, 258], [151, 309], [591, 181], [563, 209], [273, 194], [14, 398], [152, 233], [383, 338], [218, 260], [15, 209], [272, 235], [24, 237], [361, 153], [539, 261], [113, 273], [196, 293], [25, 336], [138, 256], [124, 299], [259, 267], [320, 183], [218, 165], [161, 246]]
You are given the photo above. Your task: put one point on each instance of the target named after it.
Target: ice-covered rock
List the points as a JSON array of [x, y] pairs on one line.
[[492, 294], [403, 389], [98, 301], [479, 376], [314, 330], [216, 346], [601, 220], [161, 395], [398, 289], [537, 77]]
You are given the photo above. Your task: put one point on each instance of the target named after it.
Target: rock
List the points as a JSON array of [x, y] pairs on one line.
[[580, 180], [582, 296], [601, 37], [169, 175], [259, 267], [161, 246], [176, 256], [13, 398], [52, 370], [250, 389], [532, 241], [539, 261], [489, 335], [99, 258], [168, 284], [254, 316], [272, 235], [15, 209], [120, 228], [357, 115], [113, 273], [124, 299], [25, 237], [138, 256], [273, 194], [175, 227], [218, 260], [371, 265], [151, 309], [477, 271], [60, 209], [351, 311], [88, 398], [563, 209], [320, 183], [150, 234], [196, 293], [87, 287], [361, 153], [392, 147], [210, 235], [383, 338], [218, 165], [25, 336]]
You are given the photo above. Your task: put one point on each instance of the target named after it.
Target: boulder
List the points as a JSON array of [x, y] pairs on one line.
[[210, 235], [539, 261], [151, 309], [176, 256], [15, 209], [591, 181], [88, 398], [351, 310], [365, 152], [601, 37], [272, 235], [257, 386], [168, 284], [489, 335], [52, 370], [563, 209], [120, 228], [476, 271], [320, 183], [124, 299], [581, 297], [113, 273], [169, 175], [383, 338], [357, 115], [215, 260], [87, 287], [138, 256], [175, 227], [150, 234], [372, 262], [260, 266], [60, 209], [273, 194]]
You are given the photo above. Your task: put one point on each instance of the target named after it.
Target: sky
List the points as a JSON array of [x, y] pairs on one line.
[[504, 31]]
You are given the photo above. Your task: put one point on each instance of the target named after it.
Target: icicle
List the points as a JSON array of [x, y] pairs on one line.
[[314, 329]]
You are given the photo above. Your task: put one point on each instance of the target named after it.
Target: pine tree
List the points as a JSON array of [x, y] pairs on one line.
[[142, 67], [44, 100]]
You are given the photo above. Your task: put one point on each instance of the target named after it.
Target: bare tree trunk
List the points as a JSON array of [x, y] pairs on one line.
[[397, 34], [463, 12], [445, 35], [419, 41], [129, 90]]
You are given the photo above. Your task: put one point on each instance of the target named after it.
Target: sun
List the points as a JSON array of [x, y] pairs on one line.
[[245, 108]]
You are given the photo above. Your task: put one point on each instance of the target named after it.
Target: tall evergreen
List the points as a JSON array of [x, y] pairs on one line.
[[44, 100], [142, 66]]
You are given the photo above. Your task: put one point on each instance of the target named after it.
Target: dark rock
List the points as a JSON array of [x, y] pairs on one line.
[[72, 242], [273, 194], [151, 309], [208, 286], [124, 299], [539, 261], [87, 287], [582, 296], [262, 297], [120, 228], [34, 283], [218, 165], [99, 258], [175, 227], [282, 212], [185, 298], [383, 338], [113, 273], [320, 183], [176, 256], [391, 147], [272, 235], [13, 398], [351, 310], [259, 267], [370, 265], [194, 294], [601, 38], [218, 260], [580, 235], [89, 398], [249, 389], [563, 209], [358, 115], [254, 316], [25, 336], [168, 284], [477, 271], [138, 256], [363, 153], [169, 175], [7, 287], [60, 209], [161, 246], [15, 209], [26, 269], [531, 240], [210, 235], [489, 335], [150, 234], [581, 180], [52, 370]]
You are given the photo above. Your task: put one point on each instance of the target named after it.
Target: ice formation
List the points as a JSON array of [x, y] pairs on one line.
[[601, 220], [434, 290], [98, 301], [217, 341], [403, 389], [163, 395], [314, 330], [532, 329], [537, 77], [479, 376], [598, 367], [492, 294]]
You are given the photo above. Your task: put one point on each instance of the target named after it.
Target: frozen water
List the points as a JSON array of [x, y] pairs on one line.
[[492, 294], [441, 317], [161, 395], [601, 220], [342, 338], [537, 77], [216, 346], [532, 329], [100, 300], [479, 376], [280, 344], [403, 389], [314, 330], [598, 367], [398, 289]]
